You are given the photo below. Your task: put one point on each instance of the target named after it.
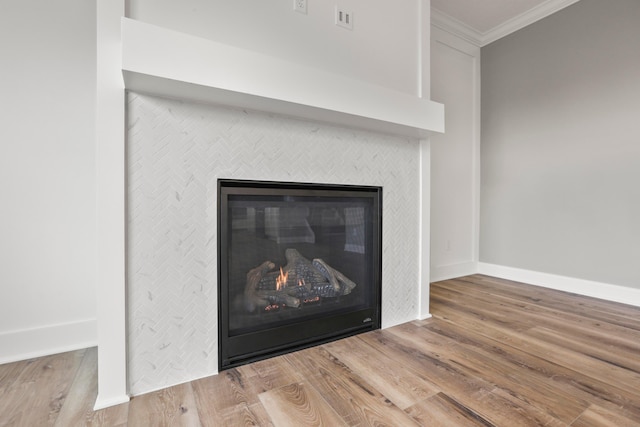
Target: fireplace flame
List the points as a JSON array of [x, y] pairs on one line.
[[281, 280]]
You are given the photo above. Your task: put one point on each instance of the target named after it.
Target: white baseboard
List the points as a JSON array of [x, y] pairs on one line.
[[604, 291], [445, 272], [52, 339]]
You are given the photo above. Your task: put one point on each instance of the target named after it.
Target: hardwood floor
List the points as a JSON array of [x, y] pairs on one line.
[[495, 353]]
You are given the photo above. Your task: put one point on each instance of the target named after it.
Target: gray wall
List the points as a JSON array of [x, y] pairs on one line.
[[560, 154]]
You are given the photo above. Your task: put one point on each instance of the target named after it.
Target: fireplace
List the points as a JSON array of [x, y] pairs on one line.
[[299, 264], [177, 151]]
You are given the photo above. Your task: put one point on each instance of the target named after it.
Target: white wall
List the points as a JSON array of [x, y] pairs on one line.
[[382, 48], [561, 146], [455, 161], [47, 183]]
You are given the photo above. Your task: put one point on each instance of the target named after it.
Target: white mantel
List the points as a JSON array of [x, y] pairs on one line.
[[168, 63], [153, 60]]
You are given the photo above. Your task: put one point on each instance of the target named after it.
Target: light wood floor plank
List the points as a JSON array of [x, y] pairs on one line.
[[350, 395], [220, 393], [502, 404], [9, 373], [401, 387], [44, 384], [173, 406], [596, 416], [624, 358], [114, 416], [443, 411], [78, 407], [241, 415], [472, 391], [513, 373], [299, 404], [268, 374]]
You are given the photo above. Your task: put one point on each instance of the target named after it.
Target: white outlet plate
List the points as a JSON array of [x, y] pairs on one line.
[[344, 18], [300, 6]]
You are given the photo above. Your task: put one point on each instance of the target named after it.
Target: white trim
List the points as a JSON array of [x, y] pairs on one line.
[[424, 50], [604, 291], [529, 17], [457, 28], [455, 42], [105, 403], [178, 65], [424, 251], [446, 272], [43, 341], [478, 38], [477, 163], [110, 202]]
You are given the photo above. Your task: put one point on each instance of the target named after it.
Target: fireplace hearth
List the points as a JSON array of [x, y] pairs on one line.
[[299, 265]]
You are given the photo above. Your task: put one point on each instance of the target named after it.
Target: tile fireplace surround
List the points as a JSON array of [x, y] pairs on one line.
[[176, 151]]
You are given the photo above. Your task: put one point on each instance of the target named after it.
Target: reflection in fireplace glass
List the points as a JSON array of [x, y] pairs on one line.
[[294, 257]]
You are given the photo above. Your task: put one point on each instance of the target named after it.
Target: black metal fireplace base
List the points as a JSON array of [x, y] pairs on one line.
[[259, 345], [299, 265]]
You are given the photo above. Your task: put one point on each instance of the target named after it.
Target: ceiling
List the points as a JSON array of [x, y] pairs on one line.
[[484, 21]]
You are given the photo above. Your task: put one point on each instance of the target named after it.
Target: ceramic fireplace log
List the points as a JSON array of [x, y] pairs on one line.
[[300, 267], [327, 272], [335, 277], [279, 297], [254, 275]]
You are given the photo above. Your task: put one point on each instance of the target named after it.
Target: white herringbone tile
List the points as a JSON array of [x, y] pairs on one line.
[[176, 152]]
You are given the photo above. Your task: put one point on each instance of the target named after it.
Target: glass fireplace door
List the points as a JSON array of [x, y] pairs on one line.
[[299, 264]]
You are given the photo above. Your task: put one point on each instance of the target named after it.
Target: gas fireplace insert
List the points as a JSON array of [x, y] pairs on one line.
[[298, 265]]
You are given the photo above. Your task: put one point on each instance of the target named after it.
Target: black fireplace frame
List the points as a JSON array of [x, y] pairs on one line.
[[249, 347]]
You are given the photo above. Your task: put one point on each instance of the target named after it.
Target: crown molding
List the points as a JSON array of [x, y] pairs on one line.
[[453, 26], [457, 28], [541, 11]]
